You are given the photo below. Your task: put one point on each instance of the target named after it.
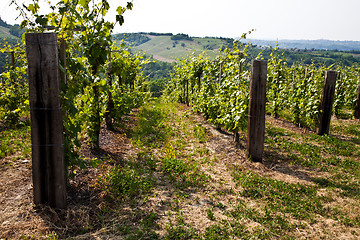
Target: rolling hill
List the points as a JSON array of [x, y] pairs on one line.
[[169, 48]]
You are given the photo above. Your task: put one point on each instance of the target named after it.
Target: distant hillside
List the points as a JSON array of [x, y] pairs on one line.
[[168, 47], [308, 44], [9, 31]]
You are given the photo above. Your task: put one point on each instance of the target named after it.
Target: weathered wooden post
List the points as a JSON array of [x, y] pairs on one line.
[[327, 101], [12, 53], [220, 74], [236, 134], [187, 92], [48, 166], [110, 101], [257, 102], [357, 106]]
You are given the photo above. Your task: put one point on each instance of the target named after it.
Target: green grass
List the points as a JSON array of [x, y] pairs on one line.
[[15, 140], [170, 50], [329, 152], [4, 33], [171, 161], [296, 200]]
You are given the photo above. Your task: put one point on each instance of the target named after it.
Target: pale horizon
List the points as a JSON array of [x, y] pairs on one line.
[[272, 20]]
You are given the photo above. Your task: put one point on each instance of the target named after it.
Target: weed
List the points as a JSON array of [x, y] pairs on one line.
[[174, 166], [217, 231], [147, 159], [298, 200], [200, 133], [203, 151], [210, 214], [125, 182], [180, 230]]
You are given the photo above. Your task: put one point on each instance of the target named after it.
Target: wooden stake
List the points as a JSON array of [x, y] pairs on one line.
[[110, 101], [12, 60], [48, 166], [187, 92], [256, 121], [221, 72], [327, 101], [357, 107]]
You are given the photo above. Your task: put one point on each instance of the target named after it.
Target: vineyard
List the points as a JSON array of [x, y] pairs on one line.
[[87, 153], [220, 89]]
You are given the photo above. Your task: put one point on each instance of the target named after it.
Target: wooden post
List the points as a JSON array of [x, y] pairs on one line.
[[357, 107], [48, 166], [327, 101], [221, 72], [240, 64], [97, 117], [110, 101], [187, 92], [257, 102], [12, 60]]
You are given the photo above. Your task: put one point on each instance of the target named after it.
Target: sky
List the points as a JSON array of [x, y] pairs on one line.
[[271, 19]]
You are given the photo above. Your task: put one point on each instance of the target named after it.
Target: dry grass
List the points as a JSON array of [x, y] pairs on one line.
[[215, 207]]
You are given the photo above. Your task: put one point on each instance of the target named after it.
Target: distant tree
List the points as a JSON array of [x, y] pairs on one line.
[[4, 24], [134, 39], [181, 36], [16, 30]]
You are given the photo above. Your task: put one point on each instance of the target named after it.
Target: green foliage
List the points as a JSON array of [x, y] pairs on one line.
[[91, 91], [180, 230], [15, 140], [297, 200], [133, 39], [294, 93], [125, 182], [14, 91], [218, 88], [16, 31], [181, 36], [151, 129]]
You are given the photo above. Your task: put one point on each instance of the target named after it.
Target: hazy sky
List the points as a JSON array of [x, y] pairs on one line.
[[272, 19]]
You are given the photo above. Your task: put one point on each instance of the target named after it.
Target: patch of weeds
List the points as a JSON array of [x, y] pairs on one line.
[[200, 133], [124, 182], [210, 214], [217, 231], [273, 223], [276, 132], [300, 201], [349, 188], [333, 145], [146, 228], [341, 216], [180, 230], [220, 205], [15, 140], [203, 151], [174, 166], [125, 230], [183, 173], [151, 129], [304, 153], [147, 159]]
